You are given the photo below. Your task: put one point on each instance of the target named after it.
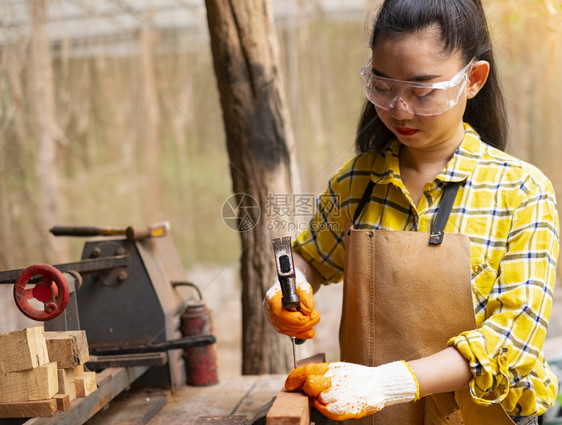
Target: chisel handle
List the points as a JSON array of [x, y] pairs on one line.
[[85, 231], [133, 233]]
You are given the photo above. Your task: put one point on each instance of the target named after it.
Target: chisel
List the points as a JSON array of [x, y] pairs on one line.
[[287, 280], [131, 232]]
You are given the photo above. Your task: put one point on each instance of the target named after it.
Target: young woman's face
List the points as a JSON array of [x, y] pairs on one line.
[[420, 57]]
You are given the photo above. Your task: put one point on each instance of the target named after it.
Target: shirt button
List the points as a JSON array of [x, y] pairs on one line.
[[476, 268]]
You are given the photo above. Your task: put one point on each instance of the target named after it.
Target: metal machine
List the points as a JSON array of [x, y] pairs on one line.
[[123, 294]]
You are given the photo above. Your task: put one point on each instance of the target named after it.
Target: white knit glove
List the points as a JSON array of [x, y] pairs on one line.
[[343, 391]]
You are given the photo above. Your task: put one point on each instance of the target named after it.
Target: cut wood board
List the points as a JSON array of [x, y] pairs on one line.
[[289, 408], [78, 370], [40, 383], [28, 409], [114, 380], [85, 384], [68, 349], [63, 401], [292, 408], [23, 349], [67, 383]]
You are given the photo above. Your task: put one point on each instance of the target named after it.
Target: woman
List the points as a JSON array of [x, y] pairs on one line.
[[430, 144]]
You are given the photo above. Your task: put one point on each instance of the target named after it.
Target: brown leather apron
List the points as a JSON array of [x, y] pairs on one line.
[[404, 298]]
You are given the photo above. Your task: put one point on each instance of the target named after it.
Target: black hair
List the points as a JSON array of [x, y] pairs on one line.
[[463, 29]]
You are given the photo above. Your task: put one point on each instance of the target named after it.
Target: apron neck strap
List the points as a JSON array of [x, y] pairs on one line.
[[443, 213], [363, 202]]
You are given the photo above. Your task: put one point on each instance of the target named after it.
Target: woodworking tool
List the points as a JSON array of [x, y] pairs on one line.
[[124, 293], [132, 232], [287, 279]]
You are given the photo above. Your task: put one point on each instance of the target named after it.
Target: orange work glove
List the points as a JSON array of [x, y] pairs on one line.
[[342, 391], [292, 323]]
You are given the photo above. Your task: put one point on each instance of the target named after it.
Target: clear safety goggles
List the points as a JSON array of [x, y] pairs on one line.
[[416, 97]]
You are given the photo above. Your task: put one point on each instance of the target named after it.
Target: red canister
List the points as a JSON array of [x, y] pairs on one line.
[[200, 362]]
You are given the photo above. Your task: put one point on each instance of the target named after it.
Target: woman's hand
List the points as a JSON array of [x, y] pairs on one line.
[[292, 323], [343, 391]]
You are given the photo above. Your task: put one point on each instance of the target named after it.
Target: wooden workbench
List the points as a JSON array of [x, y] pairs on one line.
[[238, 396], [235, 400]]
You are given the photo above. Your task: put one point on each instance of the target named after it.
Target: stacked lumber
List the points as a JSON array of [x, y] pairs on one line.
[[42, 372], [70, 351]]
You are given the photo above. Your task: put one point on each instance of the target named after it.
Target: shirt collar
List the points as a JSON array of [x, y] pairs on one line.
[[386, 167]]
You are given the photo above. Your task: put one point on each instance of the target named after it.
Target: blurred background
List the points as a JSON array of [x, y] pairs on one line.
[[109, 116]]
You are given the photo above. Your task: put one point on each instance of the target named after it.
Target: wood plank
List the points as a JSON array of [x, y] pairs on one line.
[[85, 384], [262, 392], [40, 383], [115, 380], [289, 408], [63, 401], [23, 349], [28, 409], [78, 370], [66, 382], [68, 349], [292, 408], [189, 403], [135, 407]]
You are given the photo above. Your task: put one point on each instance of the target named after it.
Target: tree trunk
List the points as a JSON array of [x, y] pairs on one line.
[[260, 145], [46, 134], [151, 123]]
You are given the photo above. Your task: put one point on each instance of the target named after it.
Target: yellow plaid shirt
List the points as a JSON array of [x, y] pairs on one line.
[[508, 209]]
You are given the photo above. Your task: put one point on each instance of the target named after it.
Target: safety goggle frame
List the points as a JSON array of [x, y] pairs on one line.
[[369, 81]]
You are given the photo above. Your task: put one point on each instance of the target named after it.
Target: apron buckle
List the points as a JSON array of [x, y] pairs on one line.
[[435, 238]]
